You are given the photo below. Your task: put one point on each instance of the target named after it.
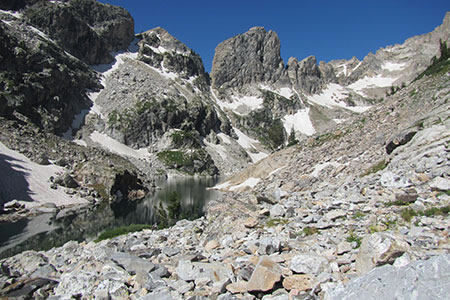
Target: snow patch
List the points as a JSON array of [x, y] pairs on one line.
[[330, 97], [250, 182], [276, 171], [371, 82], [333, 96], [40, 33], [391, 66], [241, 105], [249, 145], [16, 167], [225, 138], [159, 50], [286, 92], [76, 123], [300, 121], [117, 147]]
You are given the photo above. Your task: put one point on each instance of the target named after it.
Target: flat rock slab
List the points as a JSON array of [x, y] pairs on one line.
[[132, 264], [265, 275], [427, 279]]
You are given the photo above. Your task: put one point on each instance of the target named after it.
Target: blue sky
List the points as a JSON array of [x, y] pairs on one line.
[[326, 29]]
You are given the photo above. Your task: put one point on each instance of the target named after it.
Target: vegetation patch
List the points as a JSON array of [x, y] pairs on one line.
[[175, 158], [328, 137], [121, 231], [276, 222], [182, 138], [439, 65], [358, 215], [408, 213], [352, 237], [307, 231], [101, 190]]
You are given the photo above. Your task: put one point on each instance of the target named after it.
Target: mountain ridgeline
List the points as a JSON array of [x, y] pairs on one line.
[[337, 172], [76, 69]]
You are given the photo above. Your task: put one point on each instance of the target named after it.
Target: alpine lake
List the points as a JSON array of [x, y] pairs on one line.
[[175, 198]]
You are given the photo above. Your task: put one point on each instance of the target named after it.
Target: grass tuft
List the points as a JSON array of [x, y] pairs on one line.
[[121, 231]]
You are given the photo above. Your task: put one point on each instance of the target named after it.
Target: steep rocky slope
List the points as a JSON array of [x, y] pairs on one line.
[[44, 88], [156, 100], [315, 220]]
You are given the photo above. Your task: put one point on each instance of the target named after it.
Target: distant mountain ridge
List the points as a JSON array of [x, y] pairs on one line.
[[158, 100]]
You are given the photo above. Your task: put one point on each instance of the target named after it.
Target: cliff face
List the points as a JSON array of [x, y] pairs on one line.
[[251, 57], [87, 29], [39, 79]]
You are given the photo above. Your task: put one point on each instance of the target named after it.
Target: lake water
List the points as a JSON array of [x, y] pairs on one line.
[[50, 230]]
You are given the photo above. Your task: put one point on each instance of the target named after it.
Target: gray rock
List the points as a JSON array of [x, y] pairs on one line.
[[269, 246], [277, 211], [132, 264], [169, 251], [440, 184], [158, 295], [335, 214], [309, 264], [185, 270], [378, 249], [419, 280], [391, 180]]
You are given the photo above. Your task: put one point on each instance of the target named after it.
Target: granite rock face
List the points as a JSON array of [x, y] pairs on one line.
[[87, 29], [251, 57], [307, 76]]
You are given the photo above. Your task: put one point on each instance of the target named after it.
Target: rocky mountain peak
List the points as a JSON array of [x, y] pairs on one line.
[[251, 57], [307, 76], [159, 37], [161, 50]]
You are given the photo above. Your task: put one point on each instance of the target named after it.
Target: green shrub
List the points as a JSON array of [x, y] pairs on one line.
[[121, 231], [407, 214], [352, 237]]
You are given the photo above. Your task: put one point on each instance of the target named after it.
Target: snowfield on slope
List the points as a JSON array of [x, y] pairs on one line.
[[371, 82], [28, 182], [114, 146], [333, 96], [299, 121], [250, 146]]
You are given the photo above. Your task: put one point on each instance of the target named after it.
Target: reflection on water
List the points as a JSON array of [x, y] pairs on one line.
[[51, 230]]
